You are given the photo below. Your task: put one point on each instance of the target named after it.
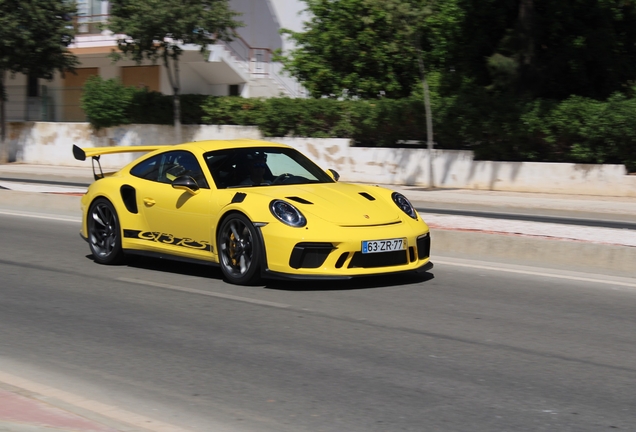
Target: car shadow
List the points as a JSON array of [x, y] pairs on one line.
[[170, 266], [214, 273], [176, 267], [365, 282]]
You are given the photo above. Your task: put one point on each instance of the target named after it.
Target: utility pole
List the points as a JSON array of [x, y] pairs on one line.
[[429, 119], [4, 151]]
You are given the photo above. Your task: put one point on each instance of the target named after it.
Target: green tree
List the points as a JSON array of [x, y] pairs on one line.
[[374, 48], [371, 48], [531, 48], [35, 36], [156, 29], [549, 48]]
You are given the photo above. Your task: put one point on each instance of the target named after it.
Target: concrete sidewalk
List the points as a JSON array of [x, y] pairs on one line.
[[20, 413], [29, 406]]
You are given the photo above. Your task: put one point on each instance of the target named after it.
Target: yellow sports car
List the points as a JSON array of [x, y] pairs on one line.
[[256, 208]]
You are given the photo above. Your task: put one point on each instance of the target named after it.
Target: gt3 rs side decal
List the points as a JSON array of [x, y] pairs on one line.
[[168, 239]]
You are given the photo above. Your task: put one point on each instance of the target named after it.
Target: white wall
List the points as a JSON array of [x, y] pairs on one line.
[[291, 16], [51, 144], [260, 21]]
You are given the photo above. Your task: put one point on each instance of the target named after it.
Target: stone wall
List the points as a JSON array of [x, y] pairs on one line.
[[51, 144]]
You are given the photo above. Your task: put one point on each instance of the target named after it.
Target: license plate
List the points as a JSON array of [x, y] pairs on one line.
[[378, 246]]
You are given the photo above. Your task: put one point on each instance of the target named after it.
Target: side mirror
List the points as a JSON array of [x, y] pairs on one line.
[[333, 174], [186, 183]]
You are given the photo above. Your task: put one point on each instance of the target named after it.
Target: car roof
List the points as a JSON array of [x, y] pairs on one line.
[[209, 145]]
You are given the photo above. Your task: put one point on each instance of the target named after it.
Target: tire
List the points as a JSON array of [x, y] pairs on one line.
[[240, 250], [104, 232]]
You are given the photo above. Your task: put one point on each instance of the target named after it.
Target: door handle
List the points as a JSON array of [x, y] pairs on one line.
[[149, 202]]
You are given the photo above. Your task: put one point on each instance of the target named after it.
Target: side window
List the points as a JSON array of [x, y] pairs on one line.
[[148, 169], [166, 167], [180, 163]]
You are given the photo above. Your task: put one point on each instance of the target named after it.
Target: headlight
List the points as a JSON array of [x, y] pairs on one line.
[[287, 213], [404, 204]]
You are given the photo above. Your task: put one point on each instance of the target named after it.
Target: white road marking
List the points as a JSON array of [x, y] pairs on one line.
[[108, 411], [537, 273], [42, 188], [42, 216], [206, 293], [601, 235]]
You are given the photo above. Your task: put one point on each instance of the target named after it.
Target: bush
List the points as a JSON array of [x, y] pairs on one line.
[[496, 126], [595, 131], [313, 118], [506, 128], [231, 110], [150, 107], [192, 108], [106, 102], [110, 103]]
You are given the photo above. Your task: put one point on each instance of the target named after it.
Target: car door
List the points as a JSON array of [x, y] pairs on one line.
[[178, 221]]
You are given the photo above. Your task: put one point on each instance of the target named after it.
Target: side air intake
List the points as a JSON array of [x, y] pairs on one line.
[[367, 196], [129, 197]]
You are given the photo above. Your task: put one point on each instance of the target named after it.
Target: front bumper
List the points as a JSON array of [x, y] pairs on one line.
[[287, 276], [309, 254]]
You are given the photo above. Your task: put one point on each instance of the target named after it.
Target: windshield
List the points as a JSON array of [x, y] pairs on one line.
[[262, 166]]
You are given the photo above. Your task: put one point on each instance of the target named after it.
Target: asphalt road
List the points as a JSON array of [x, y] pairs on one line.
[[472, 347]]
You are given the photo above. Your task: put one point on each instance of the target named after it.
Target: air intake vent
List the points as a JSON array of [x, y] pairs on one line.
[[374, 260], [238, 197], [424, 246], [309, 255], [299, 200], [367, 196], [129, 197]]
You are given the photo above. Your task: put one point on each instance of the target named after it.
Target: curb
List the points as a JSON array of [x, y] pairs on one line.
[[554, 253], [64, 204]]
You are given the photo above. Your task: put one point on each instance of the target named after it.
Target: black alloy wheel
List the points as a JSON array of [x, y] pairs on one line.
[[104, 234], [239, 249]]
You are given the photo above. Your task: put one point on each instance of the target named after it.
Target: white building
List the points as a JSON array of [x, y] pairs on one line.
[[243, 67]]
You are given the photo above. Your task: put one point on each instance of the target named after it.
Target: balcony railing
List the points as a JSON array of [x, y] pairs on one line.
[[256, 61], [89, 24]]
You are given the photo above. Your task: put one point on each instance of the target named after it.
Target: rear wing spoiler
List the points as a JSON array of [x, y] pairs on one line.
[[95, 152]]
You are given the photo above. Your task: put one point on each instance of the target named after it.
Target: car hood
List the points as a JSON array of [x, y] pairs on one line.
[[342, 204]]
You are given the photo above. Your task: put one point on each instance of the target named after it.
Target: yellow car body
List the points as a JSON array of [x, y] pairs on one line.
[[208, 216]]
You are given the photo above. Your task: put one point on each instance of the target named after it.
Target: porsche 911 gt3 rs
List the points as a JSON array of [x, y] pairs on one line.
[[255, 208]]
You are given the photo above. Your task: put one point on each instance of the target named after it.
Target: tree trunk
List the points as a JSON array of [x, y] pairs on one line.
[[173, 78], [177, 116], [525, 31], [429, 132], [429, 119], [4, 153], [177, 104]]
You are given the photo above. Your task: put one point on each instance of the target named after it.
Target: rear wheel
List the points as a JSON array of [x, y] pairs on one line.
[[239, 249], [104, 233]]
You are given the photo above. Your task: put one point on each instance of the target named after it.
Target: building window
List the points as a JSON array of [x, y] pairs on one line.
[[234, 90], [32, 86]]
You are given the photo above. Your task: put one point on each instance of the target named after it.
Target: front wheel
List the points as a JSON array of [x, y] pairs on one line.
[[239, 249], [104, 234]]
